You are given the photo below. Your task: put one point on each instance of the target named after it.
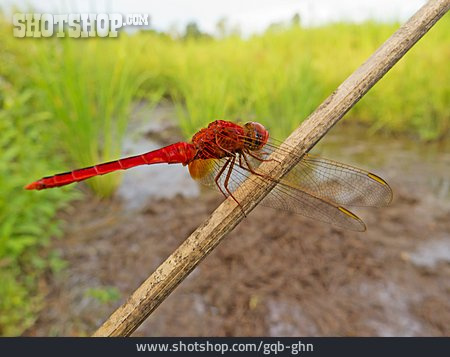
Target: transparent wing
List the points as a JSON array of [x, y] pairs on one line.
[[334, 181], [284, 196]]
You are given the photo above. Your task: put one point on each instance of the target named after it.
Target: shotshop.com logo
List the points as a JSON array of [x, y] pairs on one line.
[[74, 25]]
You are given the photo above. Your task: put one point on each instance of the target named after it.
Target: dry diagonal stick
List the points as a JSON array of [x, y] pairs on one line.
[[188, 255]]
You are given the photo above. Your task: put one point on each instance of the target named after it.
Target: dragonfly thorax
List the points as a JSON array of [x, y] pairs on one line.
[[220, 139]]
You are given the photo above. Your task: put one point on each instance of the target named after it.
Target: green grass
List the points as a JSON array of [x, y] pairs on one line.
[[87, 88], [281, 76], [27, 220]]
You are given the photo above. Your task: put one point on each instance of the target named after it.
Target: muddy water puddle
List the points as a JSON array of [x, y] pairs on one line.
[[277, 273]]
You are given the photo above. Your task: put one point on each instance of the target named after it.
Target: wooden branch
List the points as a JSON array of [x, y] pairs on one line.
[[206, 237]]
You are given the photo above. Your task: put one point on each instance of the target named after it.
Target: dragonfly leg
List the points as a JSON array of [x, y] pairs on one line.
[[249, 167], [227, 179], [216, 179], [240, 160], [258, 158]]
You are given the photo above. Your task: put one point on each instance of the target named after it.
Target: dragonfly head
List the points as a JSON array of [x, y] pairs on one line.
[[256, 135]]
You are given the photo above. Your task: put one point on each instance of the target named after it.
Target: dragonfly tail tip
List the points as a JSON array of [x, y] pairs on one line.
[[32, 186]]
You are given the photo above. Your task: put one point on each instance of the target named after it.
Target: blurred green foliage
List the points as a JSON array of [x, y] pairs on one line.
[[281, 76], [87, 88], [27, 220], [66, 103]]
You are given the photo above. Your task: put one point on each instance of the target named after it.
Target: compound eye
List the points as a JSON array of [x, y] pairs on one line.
[[257, 135]]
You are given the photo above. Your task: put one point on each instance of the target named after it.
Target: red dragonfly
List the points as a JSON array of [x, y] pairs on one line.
[[225, 154]]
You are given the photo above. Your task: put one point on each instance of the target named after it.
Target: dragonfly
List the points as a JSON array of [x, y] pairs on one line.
[[225, 154]]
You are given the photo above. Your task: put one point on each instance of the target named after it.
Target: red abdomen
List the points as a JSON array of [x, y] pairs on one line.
[[178, 153]]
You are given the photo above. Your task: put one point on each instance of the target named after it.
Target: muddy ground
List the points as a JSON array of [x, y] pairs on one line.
[[276, 274]]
